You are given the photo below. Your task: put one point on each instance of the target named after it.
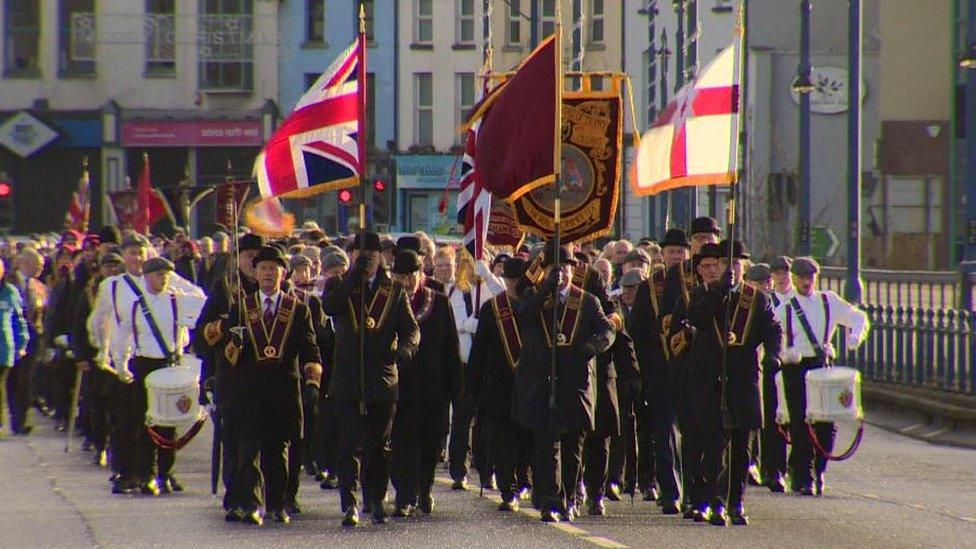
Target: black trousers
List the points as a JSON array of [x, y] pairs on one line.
[[459, 449], [363, 447], [690, 453], [151, 461], [296, 456], [261, 478], [19, 394], [98, 387], [624, 447], [124, 425], [802, 462], [658, 446], [415, 449], [230, 436], [509, 450], [62, 372], [556, 466], [328, 434], [596, 454], [736, 466], [712, 447], [772, 445]]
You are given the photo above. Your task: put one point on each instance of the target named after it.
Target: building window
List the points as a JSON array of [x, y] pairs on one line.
[[423, 16], [76, 43], [315, 21], [226, 48], [547, 19], [463, 101], [596, 22], [21, 37], [160, 37], [423, 94], [310, 78], [465, 22], [368, 12], [514, 31]]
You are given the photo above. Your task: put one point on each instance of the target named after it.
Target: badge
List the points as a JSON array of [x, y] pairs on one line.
[[269, 351], [370, 322], [253, 315], [732, 339], [561, 339]]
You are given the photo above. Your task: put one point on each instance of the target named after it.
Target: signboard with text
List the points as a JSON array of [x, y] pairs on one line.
[[217, 133]]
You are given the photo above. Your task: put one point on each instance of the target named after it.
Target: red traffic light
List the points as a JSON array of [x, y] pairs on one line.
[[379, 185], [345, 196], [5, 189]]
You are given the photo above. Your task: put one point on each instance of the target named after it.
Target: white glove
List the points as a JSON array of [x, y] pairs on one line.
[[61, 340], [126, 376], [853, 342], [792, 356], [831, 352], [470, 325], [481, 269], [210, 408], [49, 355]]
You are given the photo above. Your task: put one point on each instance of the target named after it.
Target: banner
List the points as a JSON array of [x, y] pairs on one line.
[[124, 205], [503, 229], [592, 129], [227, 195]]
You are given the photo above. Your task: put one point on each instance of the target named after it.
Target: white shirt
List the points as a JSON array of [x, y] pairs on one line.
[[781, 297], [467, 324], [274, 302], [173, 329], [842, 313]]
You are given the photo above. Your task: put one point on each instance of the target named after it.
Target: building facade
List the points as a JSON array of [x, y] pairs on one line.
[[193, 84]]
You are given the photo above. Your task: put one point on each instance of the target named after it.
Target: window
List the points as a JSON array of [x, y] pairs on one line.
[[463, 101], [226, 50], [465, 22], [596, 22], [514, 32], [76, 44], [423, 16], [368, 6], [315, 21], [547, 19], [160, 37], [310, 78], [423, 96], [21, 37]]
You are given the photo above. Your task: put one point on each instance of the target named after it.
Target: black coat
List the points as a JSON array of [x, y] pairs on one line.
[[607, 411], [433, 376], [220, 298], [396, 338], [743, 400], [644, 326], [267, 396], [576, 368], [489, 377]]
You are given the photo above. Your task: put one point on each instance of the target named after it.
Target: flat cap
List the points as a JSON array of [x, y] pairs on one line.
[[631, 278], [135, 239], [300, 260], [781, 263], [805, 266], [334, 257], [157, 264], [638, 255], [760, 272], [110, 258]]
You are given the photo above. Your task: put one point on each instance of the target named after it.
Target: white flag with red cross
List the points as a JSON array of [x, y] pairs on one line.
[[695, 140]]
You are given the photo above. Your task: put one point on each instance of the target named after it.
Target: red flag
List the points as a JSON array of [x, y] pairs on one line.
[[517, 132], [79, 208], [150, 208]]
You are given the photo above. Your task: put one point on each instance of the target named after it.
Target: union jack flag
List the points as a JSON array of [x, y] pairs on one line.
[[321, 145], [474, 201]]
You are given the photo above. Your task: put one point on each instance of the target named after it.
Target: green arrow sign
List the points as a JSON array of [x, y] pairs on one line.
[[823, 241]]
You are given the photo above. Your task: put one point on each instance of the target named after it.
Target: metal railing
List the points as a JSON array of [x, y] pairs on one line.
[[919, 337]]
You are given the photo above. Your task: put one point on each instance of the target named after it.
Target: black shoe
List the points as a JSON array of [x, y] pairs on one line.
[[687, 511], [379, 513], [524, 493], [320, 476], [737, 517], [164, 486], [613, 491], [311, 468], [460, 484], [123, 485], [571, 513], [651, 494], [87, 446], [717, 516], [597, 508], [293, 508], [701, 515], [173, 483], [754, 478], [281, 516], [25, 430], [253, 517], [426, 504], [549, 516], [351, 518], [805, 490], [403, 511], [150, 488], [331, 482], [61, 427], [776, 485], [669, 508], [509, 506], [234, 515], [818, 484]]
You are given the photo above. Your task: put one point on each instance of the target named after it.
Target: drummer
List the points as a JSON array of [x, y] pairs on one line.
[[156, 324]]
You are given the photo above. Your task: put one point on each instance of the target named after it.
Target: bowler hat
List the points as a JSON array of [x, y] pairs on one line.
[[250, 241], [270, 253], [406, 262], [514, 267], [109, 234], [371, 239], [676, 237], [735, 248], [409, 243], [709, 249], [705, 225]]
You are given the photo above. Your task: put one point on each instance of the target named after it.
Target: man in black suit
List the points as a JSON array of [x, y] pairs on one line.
[[732, 320], [365, 394], [265, 354], [558, 407]]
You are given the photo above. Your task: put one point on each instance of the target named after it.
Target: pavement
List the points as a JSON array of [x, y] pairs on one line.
[[896, 492]]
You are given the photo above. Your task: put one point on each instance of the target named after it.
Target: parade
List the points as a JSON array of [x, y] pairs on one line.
[[517, 343]]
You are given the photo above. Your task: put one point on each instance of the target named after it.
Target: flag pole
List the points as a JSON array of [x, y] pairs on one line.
[[361, 138], [556, 203]]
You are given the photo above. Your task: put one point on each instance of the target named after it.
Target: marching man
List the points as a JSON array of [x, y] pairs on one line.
[[809, 318]]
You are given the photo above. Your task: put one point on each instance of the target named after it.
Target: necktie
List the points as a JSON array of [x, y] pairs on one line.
[[268, 312]]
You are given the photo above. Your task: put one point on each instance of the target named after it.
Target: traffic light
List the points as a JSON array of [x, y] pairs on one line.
[[381, 201], [345, 197], [6, 203]]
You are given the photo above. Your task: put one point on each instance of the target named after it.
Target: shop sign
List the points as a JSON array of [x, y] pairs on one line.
[[216, 133], [25, 135]]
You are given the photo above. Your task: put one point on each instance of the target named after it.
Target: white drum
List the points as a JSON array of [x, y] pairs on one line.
[[782, 411], [834, 394], [173, 397]]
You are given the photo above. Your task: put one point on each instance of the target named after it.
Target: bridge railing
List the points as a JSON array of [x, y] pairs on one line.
[[919, 337]]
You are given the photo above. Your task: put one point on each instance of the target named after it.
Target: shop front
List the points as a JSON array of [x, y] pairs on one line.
[[422, 202]]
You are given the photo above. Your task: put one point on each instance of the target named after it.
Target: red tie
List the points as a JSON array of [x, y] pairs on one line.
[[268, 312]]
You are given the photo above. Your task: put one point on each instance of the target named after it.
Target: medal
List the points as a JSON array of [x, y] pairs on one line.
[[269, 351], [370, 322], [561, 339], [731, 339]]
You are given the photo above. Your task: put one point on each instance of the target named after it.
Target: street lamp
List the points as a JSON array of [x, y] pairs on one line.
[[804, 86]]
